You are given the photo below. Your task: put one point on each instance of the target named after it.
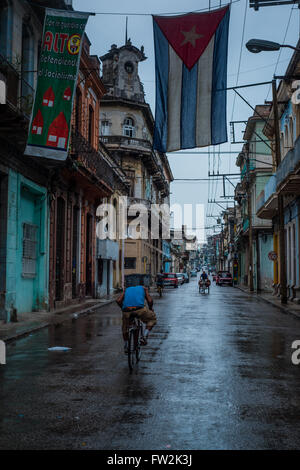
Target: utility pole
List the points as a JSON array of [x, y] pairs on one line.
[[282, 260], [250, 223]]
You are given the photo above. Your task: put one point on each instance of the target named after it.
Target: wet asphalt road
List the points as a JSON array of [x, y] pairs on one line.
[[216, 374]]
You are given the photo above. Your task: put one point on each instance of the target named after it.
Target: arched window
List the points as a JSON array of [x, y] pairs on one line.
[[128, 127], [91, 125], [78, 110]]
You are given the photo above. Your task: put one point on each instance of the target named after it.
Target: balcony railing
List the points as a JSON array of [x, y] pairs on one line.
[[289, 164], [92, 160], [19, 93], [125, 141]]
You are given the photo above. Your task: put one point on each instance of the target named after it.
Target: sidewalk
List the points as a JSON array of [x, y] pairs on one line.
[[290, 307], [33, 321]]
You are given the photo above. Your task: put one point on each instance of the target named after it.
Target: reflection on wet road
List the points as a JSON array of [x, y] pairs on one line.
[[216, 374]]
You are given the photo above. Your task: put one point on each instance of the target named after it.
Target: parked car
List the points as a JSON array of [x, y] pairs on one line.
[[224, 277], [193, 273], [180, 277], [170, 279], [186, 277]]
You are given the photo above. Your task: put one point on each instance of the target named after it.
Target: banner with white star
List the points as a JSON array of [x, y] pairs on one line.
[[191, 79]]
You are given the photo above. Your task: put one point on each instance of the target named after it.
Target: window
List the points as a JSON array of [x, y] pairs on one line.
[[130, 263], [105, 128], [29, 250], [128, 127], [78, 108], [91, 125], [5, 29], [100, 271], [27, 64]]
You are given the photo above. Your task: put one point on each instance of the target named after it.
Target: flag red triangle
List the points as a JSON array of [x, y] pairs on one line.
[[190, 34]]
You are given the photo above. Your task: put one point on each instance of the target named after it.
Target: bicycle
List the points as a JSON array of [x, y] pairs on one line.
[[160, 290], [203, 286], [135, 334]]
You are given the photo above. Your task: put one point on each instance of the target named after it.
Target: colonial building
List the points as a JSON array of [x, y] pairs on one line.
[[24, 204], [88, 178], [285, 181], [254, 240], [48, 208], [126, 128]]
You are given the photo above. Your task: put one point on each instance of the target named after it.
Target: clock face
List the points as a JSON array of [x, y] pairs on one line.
[[129, 67]]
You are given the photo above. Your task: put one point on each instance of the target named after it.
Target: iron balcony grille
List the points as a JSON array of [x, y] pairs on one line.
[[93, 161], [29, 250]]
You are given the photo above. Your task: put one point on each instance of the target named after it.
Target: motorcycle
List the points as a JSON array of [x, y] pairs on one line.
[[203, 286]]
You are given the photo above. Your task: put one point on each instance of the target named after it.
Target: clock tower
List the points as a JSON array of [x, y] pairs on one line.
[[120, 72]]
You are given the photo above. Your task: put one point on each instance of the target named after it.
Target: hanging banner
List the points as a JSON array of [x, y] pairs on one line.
[[49, 129], [191, 79]]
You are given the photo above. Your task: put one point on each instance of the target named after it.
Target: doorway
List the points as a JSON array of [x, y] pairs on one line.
[[59, 265]]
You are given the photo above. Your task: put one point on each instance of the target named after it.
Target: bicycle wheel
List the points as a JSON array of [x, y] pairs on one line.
[[131, 349], [138, 349]]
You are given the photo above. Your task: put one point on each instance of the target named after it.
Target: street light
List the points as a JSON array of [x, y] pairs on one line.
[[259, 45]]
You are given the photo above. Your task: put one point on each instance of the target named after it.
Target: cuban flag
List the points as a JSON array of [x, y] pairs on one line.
[[191, 79]]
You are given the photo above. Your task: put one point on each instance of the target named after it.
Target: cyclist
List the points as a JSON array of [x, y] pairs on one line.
[[131, 300], [160, 280], [203, 278]]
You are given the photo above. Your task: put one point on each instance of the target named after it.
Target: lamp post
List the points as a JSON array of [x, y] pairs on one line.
[[255, 46], [259, 45]]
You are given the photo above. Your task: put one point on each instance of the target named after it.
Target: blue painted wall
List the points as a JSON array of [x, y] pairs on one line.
[[27, 203]]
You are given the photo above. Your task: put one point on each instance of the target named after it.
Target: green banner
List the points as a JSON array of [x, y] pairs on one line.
[[49, 129]]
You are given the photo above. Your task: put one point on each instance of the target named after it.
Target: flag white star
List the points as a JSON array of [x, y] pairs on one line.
[[191, 37]]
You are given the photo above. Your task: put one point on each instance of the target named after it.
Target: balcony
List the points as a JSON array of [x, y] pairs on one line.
[[143, 148], [107, 249], [267, 205], [92, 162], [287, 177], [124, 141], [15, 112], [136, 200]]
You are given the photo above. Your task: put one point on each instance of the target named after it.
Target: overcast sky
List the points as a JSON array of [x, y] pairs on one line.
[[278, 23]]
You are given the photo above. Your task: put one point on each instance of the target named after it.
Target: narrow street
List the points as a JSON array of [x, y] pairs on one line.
[[216, 374]]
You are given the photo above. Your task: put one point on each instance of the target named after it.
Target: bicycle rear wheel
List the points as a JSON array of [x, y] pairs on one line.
[[138, 349], [131, 349]]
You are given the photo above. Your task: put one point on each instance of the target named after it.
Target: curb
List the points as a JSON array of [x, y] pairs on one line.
[[64, 317], [274, 304]]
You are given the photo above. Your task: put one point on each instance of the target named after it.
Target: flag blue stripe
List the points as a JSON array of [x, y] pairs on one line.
[[188, 107], [161, 47], [219, 78]]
